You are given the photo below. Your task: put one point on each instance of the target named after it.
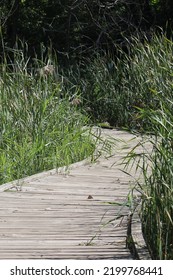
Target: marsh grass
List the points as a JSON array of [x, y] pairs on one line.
[[116, 88], [40, 129], [157, 214], [156, 186], [103, 96]]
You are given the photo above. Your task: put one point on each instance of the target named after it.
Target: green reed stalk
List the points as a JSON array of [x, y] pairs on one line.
[[40, 128]]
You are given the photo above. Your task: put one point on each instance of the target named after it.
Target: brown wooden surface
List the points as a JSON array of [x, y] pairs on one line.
[[69, 214]]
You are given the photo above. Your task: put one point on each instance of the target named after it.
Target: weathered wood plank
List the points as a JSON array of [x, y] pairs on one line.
[[69, 213]]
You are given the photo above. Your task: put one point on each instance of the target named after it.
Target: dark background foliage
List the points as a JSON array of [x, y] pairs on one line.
[[77, 27]]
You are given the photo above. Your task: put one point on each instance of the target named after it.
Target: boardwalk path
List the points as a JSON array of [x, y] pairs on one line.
[[68, 215]]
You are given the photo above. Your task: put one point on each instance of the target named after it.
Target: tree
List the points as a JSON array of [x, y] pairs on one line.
[[12, 21], [75, 27]]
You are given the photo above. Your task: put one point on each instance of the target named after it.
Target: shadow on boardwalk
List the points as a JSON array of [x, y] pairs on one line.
[[69, 214]]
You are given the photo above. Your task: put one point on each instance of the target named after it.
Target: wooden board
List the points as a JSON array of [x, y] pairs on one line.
[[69, 213]]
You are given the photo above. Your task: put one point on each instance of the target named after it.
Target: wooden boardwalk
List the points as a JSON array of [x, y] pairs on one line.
[[69, 214]]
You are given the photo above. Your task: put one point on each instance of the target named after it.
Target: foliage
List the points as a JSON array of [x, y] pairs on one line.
[[120, 72], [116, 89], [101, 88], [156, 187], [76, 27], [157, 209], [40, 128]]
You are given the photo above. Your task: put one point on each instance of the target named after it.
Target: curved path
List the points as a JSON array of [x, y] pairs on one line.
[[72, 213]]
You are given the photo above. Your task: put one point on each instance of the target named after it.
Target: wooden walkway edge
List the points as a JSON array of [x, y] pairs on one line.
[[69, 213]]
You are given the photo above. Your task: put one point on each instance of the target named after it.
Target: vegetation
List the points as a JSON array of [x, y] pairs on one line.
[[154, 81], [76, 28], [112, 64], [156, 188], [116, 90], [157, 206], [40, 128]]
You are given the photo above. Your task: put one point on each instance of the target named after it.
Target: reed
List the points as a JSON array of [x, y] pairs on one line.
[[40, 128], [115, 88], [152, 66]]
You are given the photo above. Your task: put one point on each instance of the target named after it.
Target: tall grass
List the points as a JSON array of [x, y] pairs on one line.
[[114, 88], [102, 92], [40, 128], [153, 65], [156, 188]]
